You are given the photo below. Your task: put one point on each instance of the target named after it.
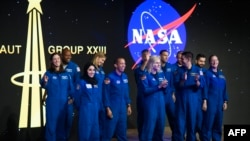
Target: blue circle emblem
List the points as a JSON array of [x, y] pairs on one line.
[[155, 25]]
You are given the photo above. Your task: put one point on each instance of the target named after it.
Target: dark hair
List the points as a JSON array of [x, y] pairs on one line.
[[85, 76], [52, 66], [163, 50], [188, 54], [66, 50], [210, 57], [200, 55], [144, 51], [179, 52], [117, 60]]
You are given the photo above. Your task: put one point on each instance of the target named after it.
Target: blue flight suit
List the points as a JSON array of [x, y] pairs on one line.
[[88, 105], [169, 102], [175, 66], [59, 87], [217, 94], [74, 71], [202, 97], [138, 73], [154, 107], [100, 75], [116, 97], [187, 102]]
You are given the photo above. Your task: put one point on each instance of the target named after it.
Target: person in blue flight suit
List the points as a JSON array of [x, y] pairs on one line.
[[200, 62], [175, 67], [170, 92], [116, 102], [74, 70], [138, 72], [88, 103], [60, 90], [153, 85], [178, 62], [216, 102], [98, 60], [187, 81]]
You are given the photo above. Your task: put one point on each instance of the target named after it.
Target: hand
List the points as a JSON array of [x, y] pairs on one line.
[[173, 97], [198, 83], [225, 106], [44, 98], [197, 77], [197, 80], [185, 76], [164, 83], [70, 101], [109, 113], [129, 111], [45, 78], [204, 105]]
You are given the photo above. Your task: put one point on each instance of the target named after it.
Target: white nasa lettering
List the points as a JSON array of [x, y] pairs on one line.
[[235, 132], [173, 37]]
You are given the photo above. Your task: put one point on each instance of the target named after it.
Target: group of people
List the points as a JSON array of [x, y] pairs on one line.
[[191, 97], [102, 102]]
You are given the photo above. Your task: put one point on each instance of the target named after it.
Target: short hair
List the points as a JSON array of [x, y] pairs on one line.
[[188, 54], [144, 50], [151, 61], [200, 55], [66, 50], [117, 60], [163, 50]]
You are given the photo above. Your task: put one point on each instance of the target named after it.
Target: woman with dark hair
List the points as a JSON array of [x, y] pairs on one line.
[[60, 89], [88, 105], [217, 98]]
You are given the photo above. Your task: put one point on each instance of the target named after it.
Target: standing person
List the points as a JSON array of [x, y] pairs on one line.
[[216, 102], [178, 62], [98, 60], [188, 82], [74, 70], [170, 92], [116, 102], [153, 86], [88, 105], [60, 89], [200, 62], [175, 67], [140, 71]]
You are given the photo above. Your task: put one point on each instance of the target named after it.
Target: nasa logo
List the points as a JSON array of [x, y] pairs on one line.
[[155, 25]]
